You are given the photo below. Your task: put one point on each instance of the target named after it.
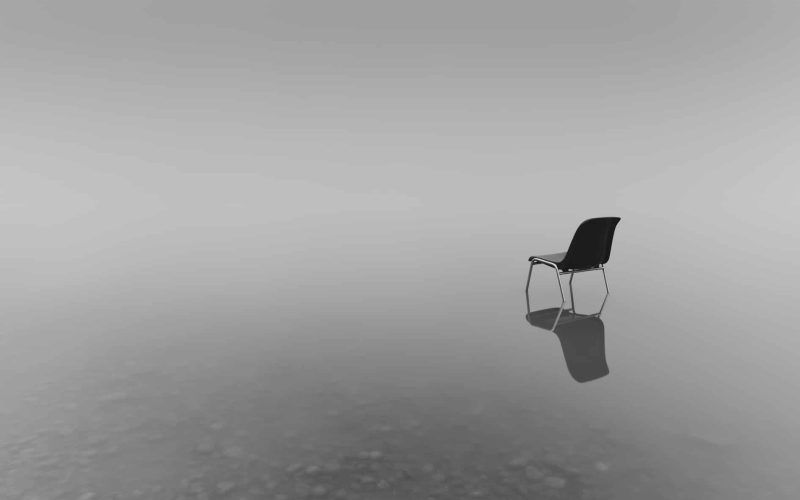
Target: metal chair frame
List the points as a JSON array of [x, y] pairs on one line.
[[559, 273]]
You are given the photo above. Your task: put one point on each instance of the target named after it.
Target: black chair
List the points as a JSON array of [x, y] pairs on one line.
[[589, 250]]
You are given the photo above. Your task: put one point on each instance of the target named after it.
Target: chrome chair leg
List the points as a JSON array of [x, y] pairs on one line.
[[558, 278], [601, 305], [571, 294], [530, 271], [558, 317], [560, 289]]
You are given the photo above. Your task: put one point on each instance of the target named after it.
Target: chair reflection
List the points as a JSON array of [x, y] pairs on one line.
[[582, 338]]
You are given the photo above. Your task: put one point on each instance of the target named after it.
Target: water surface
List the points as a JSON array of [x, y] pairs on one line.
[[402, 365]]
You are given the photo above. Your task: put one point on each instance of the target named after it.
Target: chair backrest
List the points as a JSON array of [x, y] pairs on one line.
[[591, 245]]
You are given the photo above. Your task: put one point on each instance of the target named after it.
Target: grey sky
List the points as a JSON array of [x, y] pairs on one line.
[[257, 111]]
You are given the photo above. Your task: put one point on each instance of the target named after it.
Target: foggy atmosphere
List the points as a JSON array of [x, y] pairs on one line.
[[279, 250]]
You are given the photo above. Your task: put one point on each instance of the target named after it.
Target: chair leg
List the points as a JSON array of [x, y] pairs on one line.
[[571, 293], [555, 268], [528, 301], [605, 280], [558, 317], [528, 285], [603, 304], [558, 278]]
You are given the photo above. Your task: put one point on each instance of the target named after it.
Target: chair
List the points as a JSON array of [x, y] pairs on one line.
[[589, 250]]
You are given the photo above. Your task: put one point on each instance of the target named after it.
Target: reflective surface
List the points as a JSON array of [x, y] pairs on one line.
[[582, 339], [397, 374]]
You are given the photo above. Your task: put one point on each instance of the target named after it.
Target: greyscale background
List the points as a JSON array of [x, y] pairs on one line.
[[237, 202]]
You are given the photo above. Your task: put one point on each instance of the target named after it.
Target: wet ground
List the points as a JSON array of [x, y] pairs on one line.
[[393, 371]]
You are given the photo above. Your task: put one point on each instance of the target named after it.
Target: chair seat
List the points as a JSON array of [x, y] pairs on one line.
[[553, 258]]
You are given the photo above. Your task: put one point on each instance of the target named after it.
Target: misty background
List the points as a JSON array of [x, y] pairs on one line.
[[175, 167], [260, 144]]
